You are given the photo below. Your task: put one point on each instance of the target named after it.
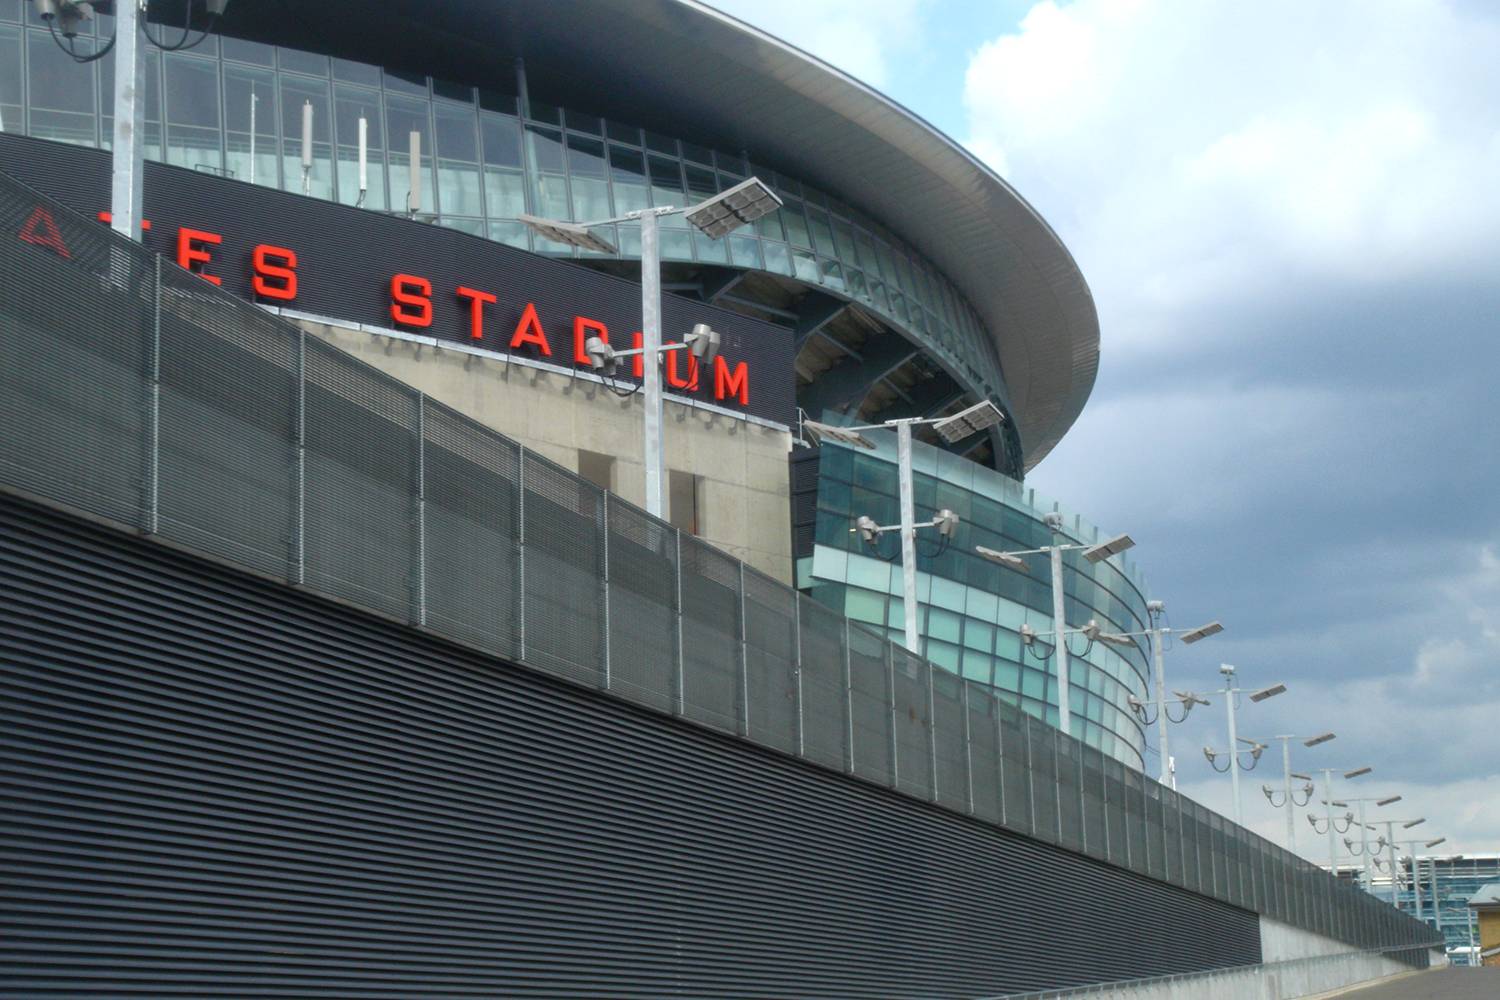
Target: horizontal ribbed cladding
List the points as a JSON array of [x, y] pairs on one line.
[[216, 787]]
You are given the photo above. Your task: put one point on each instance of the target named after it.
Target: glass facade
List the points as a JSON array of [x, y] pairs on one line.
[[972, 609], [485, 160]]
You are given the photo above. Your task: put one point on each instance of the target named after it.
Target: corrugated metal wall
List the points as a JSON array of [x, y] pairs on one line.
[[215, 786]]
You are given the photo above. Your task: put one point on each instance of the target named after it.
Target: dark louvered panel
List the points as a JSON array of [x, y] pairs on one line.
[[217, 787]]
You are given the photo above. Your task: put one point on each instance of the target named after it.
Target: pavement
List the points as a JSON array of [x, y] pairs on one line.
[[1440, 984]]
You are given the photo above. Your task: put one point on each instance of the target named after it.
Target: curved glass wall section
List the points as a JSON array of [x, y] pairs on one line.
[[972, 609], [235, 108]]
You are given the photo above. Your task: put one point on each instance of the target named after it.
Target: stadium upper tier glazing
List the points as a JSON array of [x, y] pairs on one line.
[[916, 280]]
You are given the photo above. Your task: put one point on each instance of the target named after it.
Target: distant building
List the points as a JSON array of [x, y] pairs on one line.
[[1486, 906]]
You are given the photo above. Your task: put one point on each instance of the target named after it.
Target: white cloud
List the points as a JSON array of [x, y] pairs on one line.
[[861, 37]]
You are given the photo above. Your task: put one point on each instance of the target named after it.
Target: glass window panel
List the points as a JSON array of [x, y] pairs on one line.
[[497, 100], [832, 274], [796, 225], [864, 605], [296, 94], [627, 171], [659, 143], [397, 82], [1007, 676], [350, 104], [192, 92], [248, 52], [729, 163], [944, 655], [356, 72], [778, 257], [296, 61], [404, 116], [587, 172], [822, 231], [510, 233], [843, 236], [856, 284], [550, 182], [623, 133], [676, 244], [744, 251], [805, 267], [979, 635], [978, 666], [547, 114], [698, 154], [580, 122], [62, 91], [251, 93], [710, 250], [457, 160], [944, 625], [501, 136], [10, 11], [504, 183], [701, 183], [667, 190], [461, 93], [10, 78]]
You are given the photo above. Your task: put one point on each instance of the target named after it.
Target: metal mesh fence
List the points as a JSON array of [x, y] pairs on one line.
[[137, 392]]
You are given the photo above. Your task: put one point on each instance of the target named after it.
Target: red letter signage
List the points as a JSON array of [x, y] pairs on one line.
[[529, 331], [189, 254], [583, 328], [728, 384], [477, 301], [411, 300], [691, 382], [273, 280]]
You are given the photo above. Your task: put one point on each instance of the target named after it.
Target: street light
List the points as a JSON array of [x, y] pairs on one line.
[[1288, 797], [1155, 611], [1230, 693], [1094, 554], [1390, 842], [714, 217], [1365, 851], [954, 427], [1328, 804]]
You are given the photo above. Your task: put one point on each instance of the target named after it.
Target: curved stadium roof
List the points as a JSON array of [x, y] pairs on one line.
[[683, 68]]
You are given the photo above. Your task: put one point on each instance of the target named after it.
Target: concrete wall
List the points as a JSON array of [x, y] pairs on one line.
[[1281, 942], [743, 496]]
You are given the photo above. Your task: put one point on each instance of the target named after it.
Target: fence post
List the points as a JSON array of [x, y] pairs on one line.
[[848, 705], [603, 522], [299, 545], [153, 416], [677, 652], [521, 552], [890, 713], [743, 721], [797, 670], [421, 588], [963, 707]]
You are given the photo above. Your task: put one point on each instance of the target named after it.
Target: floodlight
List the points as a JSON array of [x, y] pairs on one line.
[[1135, 704], [729, 210], [946, 522], [1434, 843], [1210, 753], [1091, 629], [868, 530], [1104, 550], [1386, 802], [968, 421], [1201, 632], [703, 343], [570, 233], [1358, 772], [1308, 789], [1028, 635], [601, 355], [1415, 822], [1003, 558], [1302, 777], [1320, 738], [843, 435], [1191, 698], [1116, 639], [1053, 520], [1269, 692], [1340, 805], [1266, 790]]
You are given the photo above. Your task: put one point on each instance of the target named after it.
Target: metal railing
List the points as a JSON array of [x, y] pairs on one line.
[[136, 392], [1296, 977]]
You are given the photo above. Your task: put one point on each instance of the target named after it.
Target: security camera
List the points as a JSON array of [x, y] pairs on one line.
[[946, 522], [1156, 607], [868, 530], [1134, 703], [601, 355], [1028, 635], [703, 342], [1053, 520]]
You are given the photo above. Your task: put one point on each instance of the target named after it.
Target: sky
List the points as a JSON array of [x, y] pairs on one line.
[[1289, 216]]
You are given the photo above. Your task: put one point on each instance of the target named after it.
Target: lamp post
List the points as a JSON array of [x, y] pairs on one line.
[[1365, 851], [1333, 829], [952, 428], [1231, 694], [1093, 553], [1288, 797], [1391, 843], [1416, 869], [1155, 610], [715, 217]]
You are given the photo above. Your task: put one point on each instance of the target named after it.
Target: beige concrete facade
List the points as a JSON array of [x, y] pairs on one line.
[[743, 492]]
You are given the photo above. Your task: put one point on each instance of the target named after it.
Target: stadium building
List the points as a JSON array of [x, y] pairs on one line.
[[389, 683]]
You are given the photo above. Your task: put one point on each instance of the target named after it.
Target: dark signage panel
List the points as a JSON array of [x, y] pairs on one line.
[[365, 267]]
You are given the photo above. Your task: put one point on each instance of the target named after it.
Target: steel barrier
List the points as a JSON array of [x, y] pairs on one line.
[[137, 392]]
